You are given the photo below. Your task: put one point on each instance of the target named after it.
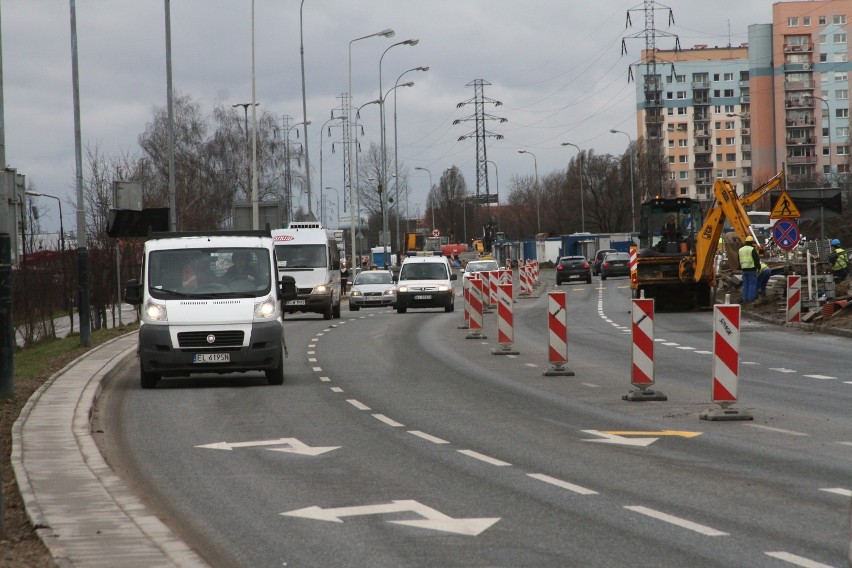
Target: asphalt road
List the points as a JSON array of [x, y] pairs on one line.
[[395, 441]]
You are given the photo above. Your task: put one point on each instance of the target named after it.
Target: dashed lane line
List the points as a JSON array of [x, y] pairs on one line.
[[484, 458], [838, 491], [562, 484], [797, 560], [357, 404], [778, 430], [677, 521], [428, 437], [388, 421]]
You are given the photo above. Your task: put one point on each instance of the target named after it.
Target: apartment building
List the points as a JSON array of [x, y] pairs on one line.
[[781, 100], [695, 105]]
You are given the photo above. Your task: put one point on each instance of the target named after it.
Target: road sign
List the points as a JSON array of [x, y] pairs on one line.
[[786, 233], [784, 207], [436, 232]]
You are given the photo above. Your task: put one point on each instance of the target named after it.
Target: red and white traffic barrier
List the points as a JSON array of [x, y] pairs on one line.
[[642, 354], [557, 325], [726, 364], [466, 301], [477, 294], [794, 299], [523, 280], [505, 321], [493, 281]]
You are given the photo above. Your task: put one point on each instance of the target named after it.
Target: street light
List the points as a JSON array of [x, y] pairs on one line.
[[337, 195], [248, 168], [396, 159], [537, 192], [582, 207], [305, 121], [497, 193], [288, 180], [61, 227], [830, 166], [356, 189], [322, 129], [429, 195], [632, 197], [384, 33], [383, 146]]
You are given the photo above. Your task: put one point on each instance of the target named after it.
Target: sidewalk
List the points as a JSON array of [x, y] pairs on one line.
[[83, 512]]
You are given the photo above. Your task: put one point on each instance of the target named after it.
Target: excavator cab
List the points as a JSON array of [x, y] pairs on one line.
[[668, 225]]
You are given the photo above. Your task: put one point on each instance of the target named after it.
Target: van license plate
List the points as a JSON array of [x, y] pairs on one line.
[[423, 297], [211, 358], [296, 303]]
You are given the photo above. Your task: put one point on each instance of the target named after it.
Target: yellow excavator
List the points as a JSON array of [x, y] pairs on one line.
[[677, 243]]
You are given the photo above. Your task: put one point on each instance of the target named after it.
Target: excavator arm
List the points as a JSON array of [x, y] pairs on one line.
[[727, 206]]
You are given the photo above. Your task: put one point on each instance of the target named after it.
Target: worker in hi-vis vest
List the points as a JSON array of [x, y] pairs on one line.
[[749, 261]]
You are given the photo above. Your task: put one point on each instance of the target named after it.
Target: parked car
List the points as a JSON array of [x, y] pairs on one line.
[[573, 267], [615, 264], [372, 288], [596, 261]]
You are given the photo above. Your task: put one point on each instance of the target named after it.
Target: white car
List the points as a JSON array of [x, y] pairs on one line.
[[372, 289], [425, 282], [480, 266]]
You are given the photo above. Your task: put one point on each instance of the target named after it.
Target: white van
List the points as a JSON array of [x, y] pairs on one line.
[[211, 303], [425, 282], [309, 253]]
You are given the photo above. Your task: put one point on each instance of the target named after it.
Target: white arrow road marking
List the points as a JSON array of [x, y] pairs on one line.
[[797, 560], [432, 519], [294, 446], [613, 439]]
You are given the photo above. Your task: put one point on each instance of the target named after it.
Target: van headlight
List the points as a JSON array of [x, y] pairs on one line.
[[320, 289], [443, 288], [154, 311], [265, 309], [402, 289]]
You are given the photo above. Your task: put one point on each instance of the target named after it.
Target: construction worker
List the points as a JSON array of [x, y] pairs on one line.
[[763, 274], [839, 261], [749, 261]]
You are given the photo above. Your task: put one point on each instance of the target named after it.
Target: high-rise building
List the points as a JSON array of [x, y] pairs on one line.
[[780, 101], [700, 100]]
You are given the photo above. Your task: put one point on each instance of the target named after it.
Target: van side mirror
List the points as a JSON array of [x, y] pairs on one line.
[[132, 292], [287, 285], [395, 277]]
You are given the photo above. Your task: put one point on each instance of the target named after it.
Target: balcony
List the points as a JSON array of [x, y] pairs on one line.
[[745, 99], [745, 131], [743, 83], [798, 67], [703, 165], [798, 47], [801, 159], [701, 134], [702, 101], [799, 102], [702, 149], [745, 147], [799, 122], [800, 141], [701, 84], [798, 85], [655, 119]]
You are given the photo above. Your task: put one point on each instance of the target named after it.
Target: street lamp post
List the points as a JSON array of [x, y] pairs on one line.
[[396, 159], [248, 166], [632, 197], [582, 206], [384, 33], [537, 192], [429, 195], [337, 195], [355, 188], [61, 227], [497, 193], [383, 145], [830, 167], [305, 121]]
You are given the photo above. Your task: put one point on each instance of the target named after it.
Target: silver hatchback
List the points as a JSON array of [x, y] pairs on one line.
[[372, 289]]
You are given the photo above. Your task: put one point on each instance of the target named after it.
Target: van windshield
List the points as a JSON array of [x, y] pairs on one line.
[[209, 273], [301, 256], [423, 271]]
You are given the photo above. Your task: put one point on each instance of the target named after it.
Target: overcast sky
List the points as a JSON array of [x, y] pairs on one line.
[[556, 65]]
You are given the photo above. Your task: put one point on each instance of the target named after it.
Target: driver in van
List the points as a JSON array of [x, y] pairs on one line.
[[241, 267]]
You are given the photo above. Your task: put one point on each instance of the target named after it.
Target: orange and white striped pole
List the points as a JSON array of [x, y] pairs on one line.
[[523, 278], [476, 295], [642, 354], [505, 321], [557, 325], [726, 364], [794, 299]]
